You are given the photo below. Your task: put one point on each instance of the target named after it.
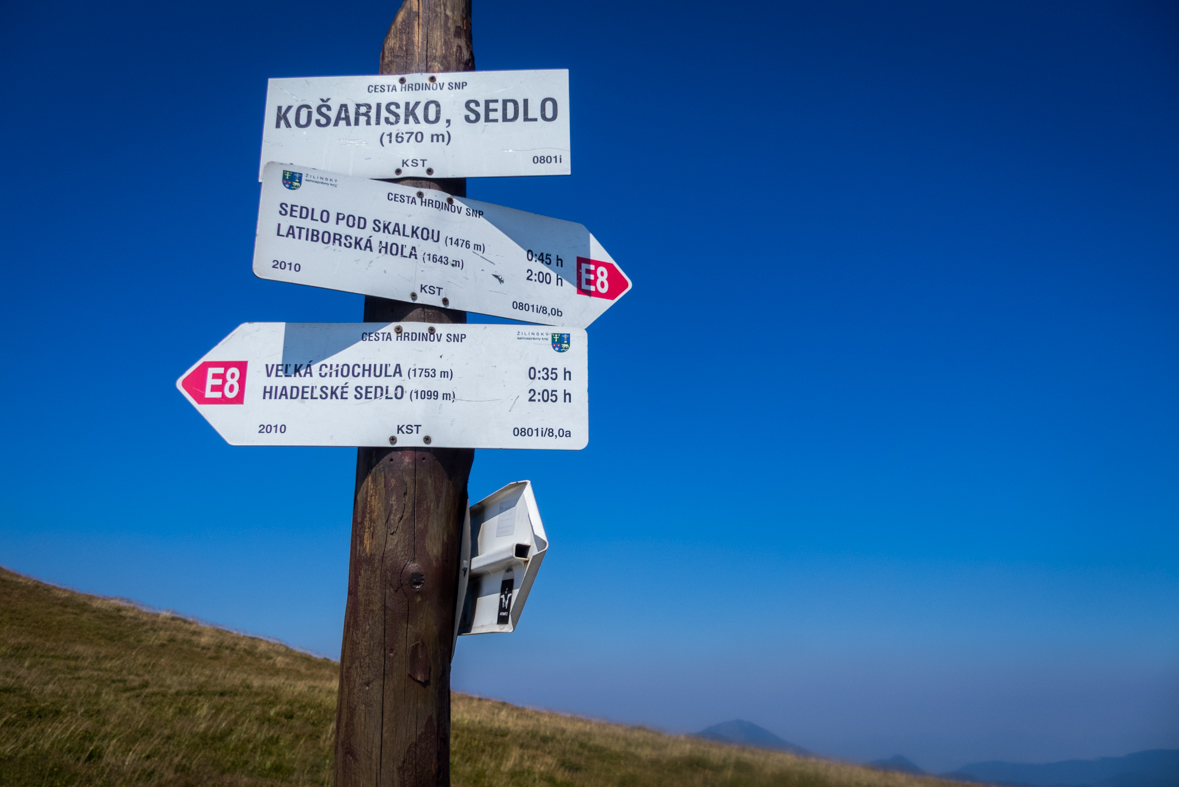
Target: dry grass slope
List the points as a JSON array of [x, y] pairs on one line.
[[93, 691], [500, 744], [96, 692]]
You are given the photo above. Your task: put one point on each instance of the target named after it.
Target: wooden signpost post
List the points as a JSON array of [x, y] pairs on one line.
[[417, 399], [393, 716]]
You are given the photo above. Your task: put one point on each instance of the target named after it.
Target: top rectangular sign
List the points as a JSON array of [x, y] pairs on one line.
[[470, 124]]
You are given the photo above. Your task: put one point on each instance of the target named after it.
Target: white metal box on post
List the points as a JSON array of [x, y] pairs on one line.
[[503, 545]]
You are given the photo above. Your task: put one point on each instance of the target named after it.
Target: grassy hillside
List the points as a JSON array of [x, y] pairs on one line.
[[93, 691]]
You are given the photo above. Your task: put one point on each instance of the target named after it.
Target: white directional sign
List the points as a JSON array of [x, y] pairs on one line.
[[404, 384], [365, 236], [462, 125], [503, 545]]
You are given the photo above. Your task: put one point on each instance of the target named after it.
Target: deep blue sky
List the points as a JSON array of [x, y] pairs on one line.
[[884, 443]]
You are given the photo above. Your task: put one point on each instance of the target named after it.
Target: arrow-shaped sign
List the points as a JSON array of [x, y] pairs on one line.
[[403, 384], [329, 230]]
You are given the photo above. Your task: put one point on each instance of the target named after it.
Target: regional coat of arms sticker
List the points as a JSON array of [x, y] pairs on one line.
[[292, 180], [560, 342]]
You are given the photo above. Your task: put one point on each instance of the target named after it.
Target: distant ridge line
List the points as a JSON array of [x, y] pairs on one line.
[[1148, 768], [898, 764], [143, 606]]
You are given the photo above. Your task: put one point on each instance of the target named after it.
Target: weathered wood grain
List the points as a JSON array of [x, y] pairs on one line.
[[393, 713], [429, 35]]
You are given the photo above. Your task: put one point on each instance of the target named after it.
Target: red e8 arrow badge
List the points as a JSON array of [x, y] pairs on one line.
[[217, 382], [599, 279]]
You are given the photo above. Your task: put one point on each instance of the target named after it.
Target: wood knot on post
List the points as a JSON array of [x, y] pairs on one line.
[[419, 663], [413, 577]]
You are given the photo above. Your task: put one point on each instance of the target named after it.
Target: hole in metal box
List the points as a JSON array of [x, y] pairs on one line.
[[521, 550]]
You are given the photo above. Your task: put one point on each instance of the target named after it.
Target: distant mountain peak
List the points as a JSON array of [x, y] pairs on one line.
[[898, 763], [745, 733]]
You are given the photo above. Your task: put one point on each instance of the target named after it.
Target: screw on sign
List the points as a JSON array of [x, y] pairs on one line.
[[599, 279], [217, 382]]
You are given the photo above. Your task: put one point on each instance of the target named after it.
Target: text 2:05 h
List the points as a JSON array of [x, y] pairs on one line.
[[549, 396]]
